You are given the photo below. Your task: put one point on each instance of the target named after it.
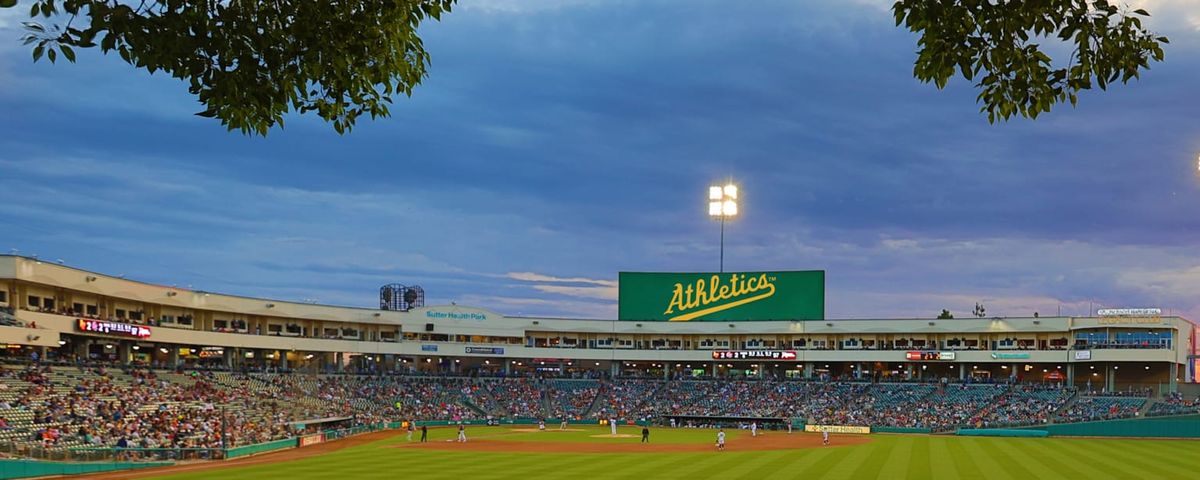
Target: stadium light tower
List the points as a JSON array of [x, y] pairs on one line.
[[722, 204]]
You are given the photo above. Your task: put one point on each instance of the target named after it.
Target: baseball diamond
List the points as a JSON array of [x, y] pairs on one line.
[[107, 377]]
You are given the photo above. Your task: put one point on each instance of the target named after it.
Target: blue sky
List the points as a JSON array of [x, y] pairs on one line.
[[557, 143]]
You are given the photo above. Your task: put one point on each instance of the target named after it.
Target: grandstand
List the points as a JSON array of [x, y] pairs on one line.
[[96, 362]]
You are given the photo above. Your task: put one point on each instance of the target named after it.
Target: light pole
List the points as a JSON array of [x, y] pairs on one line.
[[722, 204]]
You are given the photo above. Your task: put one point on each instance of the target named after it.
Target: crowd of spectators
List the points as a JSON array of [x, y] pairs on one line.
[[1087, 408], [97, 406], [571, 398], [1174, 404]]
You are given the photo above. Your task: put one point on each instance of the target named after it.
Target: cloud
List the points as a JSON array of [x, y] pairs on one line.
[[537, 277], [548, 151]]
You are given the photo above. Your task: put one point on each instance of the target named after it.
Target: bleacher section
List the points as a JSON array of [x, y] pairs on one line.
[[55, 409]]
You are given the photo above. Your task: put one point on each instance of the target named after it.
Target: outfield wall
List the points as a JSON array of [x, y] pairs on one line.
[[36, 468], [1182, 426]]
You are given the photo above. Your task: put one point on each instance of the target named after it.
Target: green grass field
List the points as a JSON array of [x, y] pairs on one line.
[[885, 457]]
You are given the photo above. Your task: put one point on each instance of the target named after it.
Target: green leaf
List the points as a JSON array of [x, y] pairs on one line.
[[8, 3], [68, 53]]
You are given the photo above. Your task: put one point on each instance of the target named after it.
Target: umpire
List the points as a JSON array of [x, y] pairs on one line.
[[645, 434]]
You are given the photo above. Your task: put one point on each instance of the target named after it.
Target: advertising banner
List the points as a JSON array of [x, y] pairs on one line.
[[837, 429]]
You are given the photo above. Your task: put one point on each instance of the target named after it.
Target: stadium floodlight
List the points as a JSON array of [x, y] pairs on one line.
[[722, 205]]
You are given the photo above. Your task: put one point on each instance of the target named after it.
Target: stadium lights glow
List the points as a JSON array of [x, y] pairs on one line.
[[722, 204]]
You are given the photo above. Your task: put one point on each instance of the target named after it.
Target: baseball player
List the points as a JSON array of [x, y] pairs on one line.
[[541, 425], [721, 440], [824, 437], [563, 425], [410, 430], [462, 433], [789, 425], [612, 425], [672, 423], [753, 429]]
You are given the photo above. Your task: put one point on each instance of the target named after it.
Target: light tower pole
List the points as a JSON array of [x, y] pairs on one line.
[[722, 204]]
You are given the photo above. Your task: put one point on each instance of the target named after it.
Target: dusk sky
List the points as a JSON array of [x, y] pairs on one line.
[[556, 143]]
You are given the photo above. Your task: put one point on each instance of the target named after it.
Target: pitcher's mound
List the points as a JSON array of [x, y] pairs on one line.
[[609, 435]]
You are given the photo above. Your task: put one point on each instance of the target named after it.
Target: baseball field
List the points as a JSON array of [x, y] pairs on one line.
[[590, 452]]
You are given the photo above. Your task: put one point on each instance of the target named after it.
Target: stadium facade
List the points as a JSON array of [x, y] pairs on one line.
[[63, 312]]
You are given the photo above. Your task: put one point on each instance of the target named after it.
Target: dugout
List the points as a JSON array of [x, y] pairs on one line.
[[318, 425], [709, 421]]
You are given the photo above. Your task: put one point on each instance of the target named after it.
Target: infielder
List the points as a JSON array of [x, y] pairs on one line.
[[462, 433], [825, 437], [612, 425], [721, 440], [563, 426], [410, 430], [753, 429], [541, 425], [789, 421]]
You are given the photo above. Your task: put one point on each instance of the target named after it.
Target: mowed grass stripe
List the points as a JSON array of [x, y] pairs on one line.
[[944, 467], [1115, 462], [918, 458], [849, 459], [705, 465], [672, 465], [1013, 465], [1120, 450], [885, 457], [1167, 452], [880, 452], [961, 459], [989, 466], [1080, 456], [1043, 455], [762, 463], [798, 461]]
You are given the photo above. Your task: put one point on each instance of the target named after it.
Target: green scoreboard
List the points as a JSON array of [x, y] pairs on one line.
[[730, 296]]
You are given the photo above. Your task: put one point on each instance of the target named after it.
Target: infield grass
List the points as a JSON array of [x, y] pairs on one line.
[[885, 457]]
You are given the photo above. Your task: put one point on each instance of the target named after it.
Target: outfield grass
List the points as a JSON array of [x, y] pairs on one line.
[[885, 457]]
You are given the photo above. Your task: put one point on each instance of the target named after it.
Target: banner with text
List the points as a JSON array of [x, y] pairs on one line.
[[730, 296], [837, 429]]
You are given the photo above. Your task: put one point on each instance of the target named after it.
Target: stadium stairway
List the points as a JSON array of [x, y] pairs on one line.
[[602, 392], [1066, 405], [466, 402]]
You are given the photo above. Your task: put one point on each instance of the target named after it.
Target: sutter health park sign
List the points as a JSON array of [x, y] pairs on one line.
[[730, 296]]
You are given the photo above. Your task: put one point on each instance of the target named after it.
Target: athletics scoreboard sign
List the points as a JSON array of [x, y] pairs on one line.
[[753, 355], [112, 328], [682, 297]]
